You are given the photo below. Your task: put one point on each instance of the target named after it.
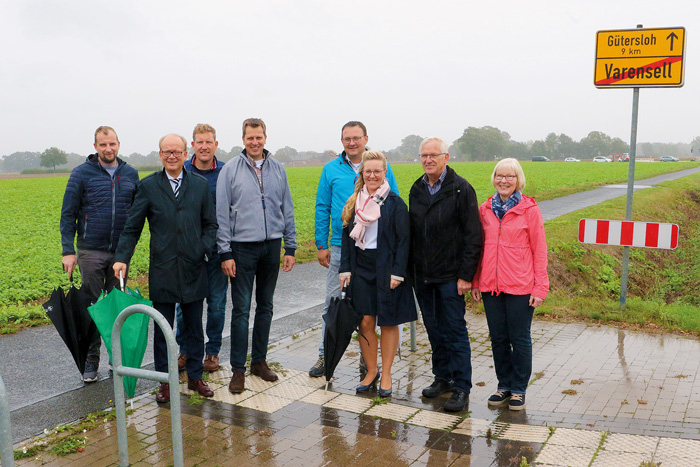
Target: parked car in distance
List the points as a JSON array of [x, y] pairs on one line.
[[601, 159], [540, 159], [668, 159], [571, 159]]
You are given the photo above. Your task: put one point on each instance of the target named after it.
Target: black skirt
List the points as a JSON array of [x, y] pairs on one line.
[[364, 289]]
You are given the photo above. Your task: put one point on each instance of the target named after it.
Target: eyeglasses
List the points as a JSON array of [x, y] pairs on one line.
[[432, 156], [354, 139], [376, 173], [172, 153], [509, 178]]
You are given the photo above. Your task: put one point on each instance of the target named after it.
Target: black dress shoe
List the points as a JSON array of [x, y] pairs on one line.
[[457, 402], [438, 388], [163, 394]]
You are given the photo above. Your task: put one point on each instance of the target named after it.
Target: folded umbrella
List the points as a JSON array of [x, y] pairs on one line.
[[69, 314], [341, 321], [134, 334]]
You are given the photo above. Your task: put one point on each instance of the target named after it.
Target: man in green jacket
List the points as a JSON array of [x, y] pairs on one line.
[[182, 222]]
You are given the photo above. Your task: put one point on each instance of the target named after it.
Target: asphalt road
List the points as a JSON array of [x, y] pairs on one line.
[[45, 389]]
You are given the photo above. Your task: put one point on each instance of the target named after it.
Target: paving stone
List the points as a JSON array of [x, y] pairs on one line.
[[429, 419], [319, 397], [630, 443], [289, 390], [528, 433], [678, 447], [349, 403], [265, 403], [564, 456], [392, 411], [620, 459], [576, 438], [676, 461], [473, 427]]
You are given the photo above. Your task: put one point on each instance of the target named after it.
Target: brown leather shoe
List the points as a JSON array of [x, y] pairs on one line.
[[237, 384], [163, 394], [181, 361], [200, 386], [211, 363], [262, 370]]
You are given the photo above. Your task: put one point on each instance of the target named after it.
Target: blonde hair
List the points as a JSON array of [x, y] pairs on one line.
[[203, 128], [349, 208], [514, 165]]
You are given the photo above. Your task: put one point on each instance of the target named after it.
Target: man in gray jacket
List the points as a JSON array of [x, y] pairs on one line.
[[254, 210]]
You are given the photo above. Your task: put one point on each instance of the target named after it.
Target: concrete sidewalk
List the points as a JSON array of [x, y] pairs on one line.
[[632, 397]]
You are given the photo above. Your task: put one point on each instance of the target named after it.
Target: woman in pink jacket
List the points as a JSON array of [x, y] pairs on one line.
[[512, 279]]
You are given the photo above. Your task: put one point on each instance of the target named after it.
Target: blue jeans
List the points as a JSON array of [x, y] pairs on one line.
[[443, 315], [257, 262], [509, 318], [216, 308], [192, 335], [332, 289]]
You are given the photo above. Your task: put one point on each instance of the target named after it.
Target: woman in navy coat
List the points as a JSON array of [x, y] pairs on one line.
[[374, 259]]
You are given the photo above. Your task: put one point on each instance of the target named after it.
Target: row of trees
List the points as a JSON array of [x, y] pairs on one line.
[[475, 144]]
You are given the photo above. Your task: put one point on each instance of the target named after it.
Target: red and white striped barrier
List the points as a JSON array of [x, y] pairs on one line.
[[628, 233]]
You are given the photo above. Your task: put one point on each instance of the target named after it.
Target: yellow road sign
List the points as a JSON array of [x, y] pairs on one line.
[[640, 58]]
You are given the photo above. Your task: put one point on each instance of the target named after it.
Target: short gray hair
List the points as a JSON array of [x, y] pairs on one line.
[[443, 145]]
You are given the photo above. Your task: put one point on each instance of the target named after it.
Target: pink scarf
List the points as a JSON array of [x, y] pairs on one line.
[[367, 210]]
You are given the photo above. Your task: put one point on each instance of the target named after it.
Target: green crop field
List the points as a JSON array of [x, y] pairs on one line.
[[30, 257]]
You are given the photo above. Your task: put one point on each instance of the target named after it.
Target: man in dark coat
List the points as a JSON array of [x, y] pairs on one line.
[[96, 204], [182, 222], [445, 248]]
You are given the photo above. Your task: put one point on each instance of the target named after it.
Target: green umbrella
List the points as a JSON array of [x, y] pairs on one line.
[[134, 335]]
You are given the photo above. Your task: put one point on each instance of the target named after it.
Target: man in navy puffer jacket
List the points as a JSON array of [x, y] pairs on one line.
[[96, 204]]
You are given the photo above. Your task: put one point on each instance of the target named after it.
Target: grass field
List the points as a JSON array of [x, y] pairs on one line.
[[30, 257]]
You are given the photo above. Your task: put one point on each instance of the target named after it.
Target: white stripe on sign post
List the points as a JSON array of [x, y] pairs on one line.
[[628, 233]]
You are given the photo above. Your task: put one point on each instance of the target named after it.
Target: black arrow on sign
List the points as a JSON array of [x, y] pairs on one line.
[[672, 36]]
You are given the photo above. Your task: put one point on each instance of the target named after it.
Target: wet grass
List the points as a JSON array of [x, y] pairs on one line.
[[663, 284]]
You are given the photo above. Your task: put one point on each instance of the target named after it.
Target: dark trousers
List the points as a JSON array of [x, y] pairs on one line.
[[443, 315], [259, 263], [193, 337], [97, 275], [509, 318]]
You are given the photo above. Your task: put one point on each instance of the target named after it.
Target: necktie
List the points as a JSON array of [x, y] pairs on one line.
[[176, 189]]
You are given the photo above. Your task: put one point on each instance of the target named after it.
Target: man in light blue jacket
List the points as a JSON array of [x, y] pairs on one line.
[[254, 210], [337, 184]]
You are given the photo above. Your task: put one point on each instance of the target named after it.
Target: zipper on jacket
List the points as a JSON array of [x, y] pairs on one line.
[[114, 209], [498, 249]]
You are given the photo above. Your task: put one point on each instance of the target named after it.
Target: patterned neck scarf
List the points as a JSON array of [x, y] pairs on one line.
[[500, 208], [368, 210]]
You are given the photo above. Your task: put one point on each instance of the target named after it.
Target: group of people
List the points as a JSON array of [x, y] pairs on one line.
[[212, 223]]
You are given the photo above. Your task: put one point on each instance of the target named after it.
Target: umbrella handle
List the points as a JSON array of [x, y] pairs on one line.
[[121, 281], [70, 277], [344, 292]]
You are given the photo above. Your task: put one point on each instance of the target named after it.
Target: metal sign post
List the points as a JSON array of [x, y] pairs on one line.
[[630, 194]]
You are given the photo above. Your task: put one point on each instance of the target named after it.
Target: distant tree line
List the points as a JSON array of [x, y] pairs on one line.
[[476, 144]]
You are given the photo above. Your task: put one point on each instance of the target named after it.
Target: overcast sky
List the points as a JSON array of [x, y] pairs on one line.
[[404, 67]]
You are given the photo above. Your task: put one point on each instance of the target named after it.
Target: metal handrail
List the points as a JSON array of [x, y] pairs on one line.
[[172, 377], [7, 455]]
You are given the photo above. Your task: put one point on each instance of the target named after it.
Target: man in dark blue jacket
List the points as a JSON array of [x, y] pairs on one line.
[[204, 163], [96, 204]]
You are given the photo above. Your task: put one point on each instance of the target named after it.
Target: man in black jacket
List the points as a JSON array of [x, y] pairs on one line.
[[96, 204], [182, 221], [445, 248]]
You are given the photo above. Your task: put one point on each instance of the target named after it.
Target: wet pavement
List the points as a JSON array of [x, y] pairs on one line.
[[608, 396]]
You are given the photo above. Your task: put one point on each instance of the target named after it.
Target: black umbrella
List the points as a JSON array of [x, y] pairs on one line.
[[341, 321], [70, 316]]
